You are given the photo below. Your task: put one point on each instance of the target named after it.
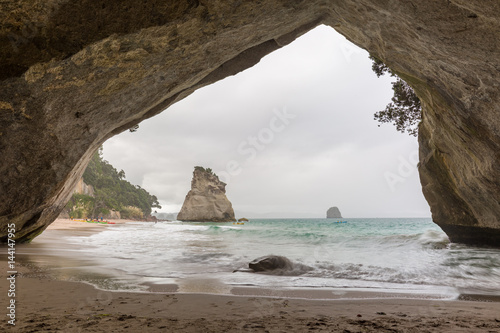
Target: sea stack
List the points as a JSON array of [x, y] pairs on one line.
[[333, 213], [206, 201]]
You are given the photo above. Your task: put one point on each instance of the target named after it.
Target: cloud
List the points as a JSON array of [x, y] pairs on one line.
[[330, 153]]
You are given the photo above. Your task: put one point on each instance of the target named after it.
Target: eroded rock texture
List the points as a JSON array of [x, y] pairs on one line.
[[75, 73], [206, 201]]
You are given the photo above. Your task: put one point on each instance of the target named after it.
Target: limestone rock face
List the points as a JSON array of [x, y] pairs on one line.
[[82, 188], [206, 201], [113, 215], [75, 73], [333, 213]]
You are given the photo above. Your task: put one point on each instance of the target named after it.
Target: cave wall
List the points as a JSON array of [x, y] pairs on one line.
[[74, 73]]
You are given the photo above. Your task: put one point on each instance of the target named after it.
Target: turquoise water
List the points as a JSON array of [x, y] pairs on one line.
[[378, 254]]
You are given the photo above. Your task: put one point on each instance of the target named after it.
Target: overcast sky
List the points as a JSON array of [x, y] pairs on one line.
[[292, 136]]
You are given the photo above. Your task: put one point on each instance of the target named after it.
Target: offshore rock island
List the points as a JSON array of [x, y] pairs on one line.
[[206, 201], [333, 213]]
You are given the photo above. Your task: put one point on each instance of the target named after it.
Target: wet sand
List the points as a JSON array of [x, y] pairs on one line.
[[45, 303]]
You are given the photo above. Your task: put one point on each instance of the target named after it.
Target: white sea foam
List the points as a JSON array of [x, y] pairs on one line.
[[363, 253]]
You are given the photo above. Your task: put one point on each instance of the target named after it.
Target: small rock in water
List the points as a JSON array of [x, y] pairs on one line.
[[269, 263]]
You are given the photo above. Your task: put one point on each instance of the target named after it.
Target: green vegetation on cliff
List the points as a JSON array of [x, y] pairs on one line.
[[405, 110], [207, 170], [81, 206], [112, 192]]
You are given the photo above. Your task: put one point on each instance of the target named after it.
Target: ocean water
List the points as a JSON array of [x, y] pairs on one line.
[[409, 255]]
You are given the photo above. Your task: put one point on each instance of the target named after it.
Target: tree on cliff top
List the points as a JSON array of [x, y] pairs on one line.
[[112, 191], [405, 110], [207, 170]]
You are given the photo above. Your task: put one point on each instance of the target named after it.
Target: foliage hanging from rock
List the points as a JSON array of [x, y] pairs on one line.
[[405, 109]]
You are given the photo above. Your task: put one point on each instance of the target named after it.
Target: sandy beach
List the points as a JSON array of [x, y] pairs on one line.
[[46, 304], [66, 224]]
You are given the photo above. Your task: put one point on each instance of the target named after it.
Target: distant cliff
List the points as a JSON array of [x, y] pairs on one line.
[[104, 191], [206, 201], [82, 188], [333, 213]]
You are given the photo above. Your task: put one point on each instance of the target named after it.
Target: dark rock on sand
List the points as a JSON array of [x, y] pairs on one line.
[[269, 263], [277, 265]]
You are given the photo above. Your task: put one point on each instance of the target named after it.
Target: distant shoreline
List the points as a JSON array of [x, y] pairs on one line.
[[69, 224]]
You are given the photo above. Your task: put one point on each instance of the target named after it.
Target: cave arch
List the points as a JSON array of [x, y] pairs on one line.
[[58, 103]]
